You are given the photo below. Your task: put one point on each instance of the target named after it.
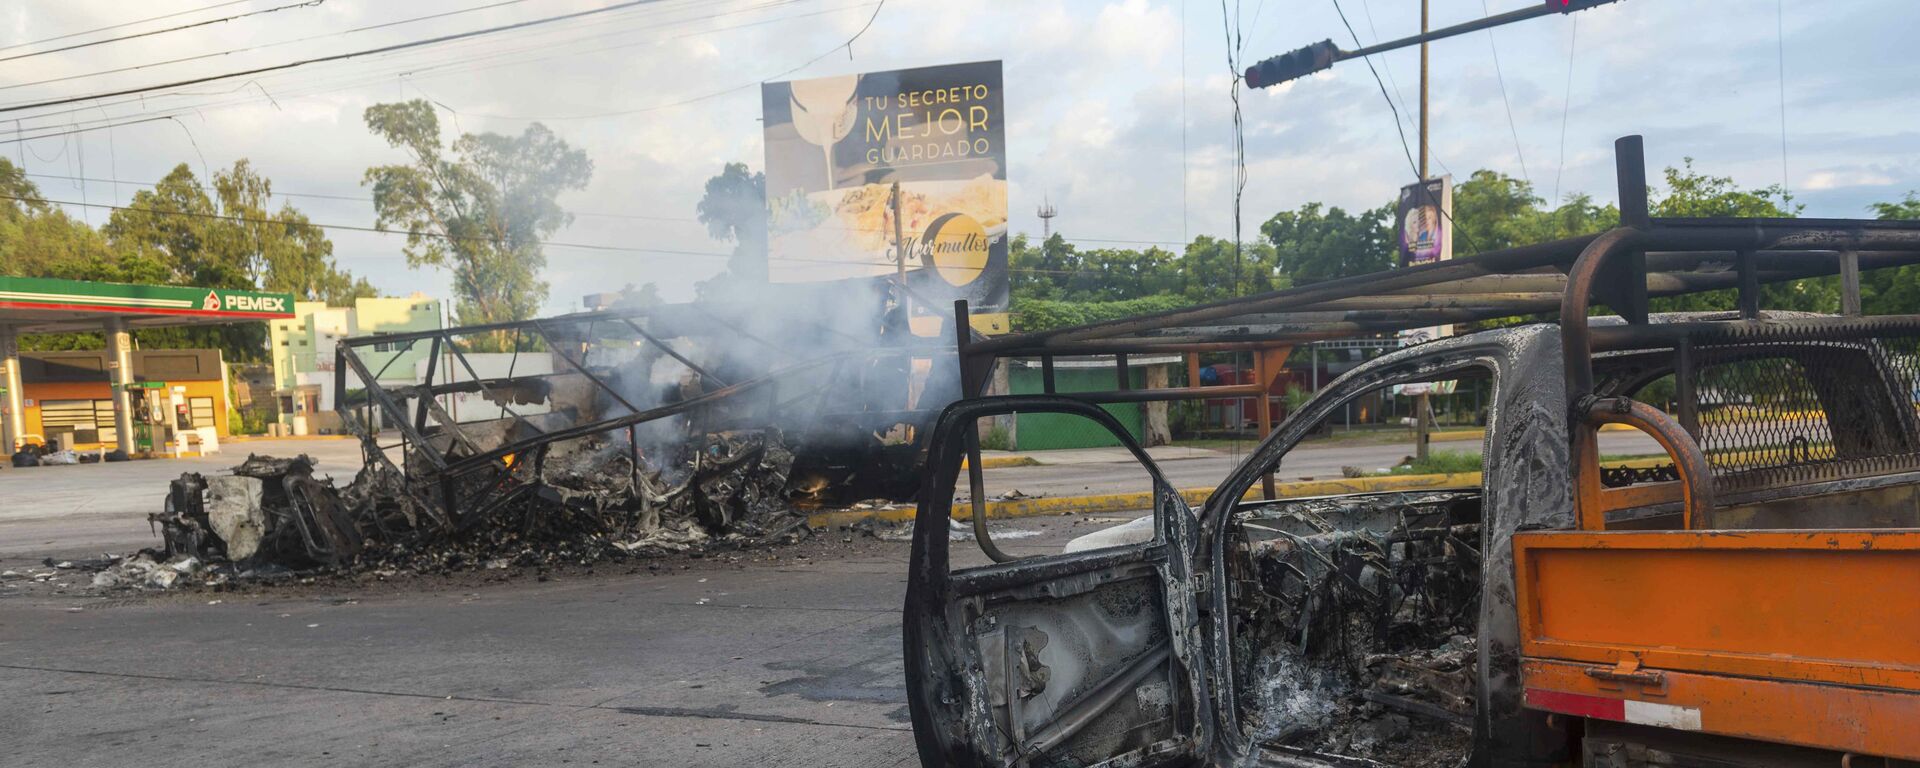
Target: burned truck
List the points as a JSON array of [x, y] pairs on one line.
[[468, 419], [1751, 599]]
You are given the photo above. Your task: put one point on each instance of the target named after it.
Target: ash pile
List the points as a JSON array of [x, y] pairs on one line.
[[273, 519], [1357, 617]]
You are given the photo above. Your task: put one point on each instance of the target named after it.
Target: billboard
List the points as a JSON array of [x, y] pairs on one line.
[[836, 149], [1423, 232], [1423, 222]]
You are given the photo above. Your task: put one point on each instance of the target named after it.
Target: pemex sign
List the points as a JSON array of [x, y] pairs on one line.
[[31, 293]]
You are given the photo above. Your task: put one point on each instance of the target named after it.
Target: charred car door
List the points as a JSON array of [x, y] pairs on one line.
[[1070, 659]]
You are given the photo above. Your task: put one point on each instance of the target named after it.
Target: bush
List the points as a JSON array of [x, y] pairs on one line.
[[996, 439]]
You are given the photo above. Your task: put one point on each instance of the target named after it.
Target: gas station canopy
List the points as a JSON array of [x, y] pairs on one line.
[[44, 305], [30, 305]]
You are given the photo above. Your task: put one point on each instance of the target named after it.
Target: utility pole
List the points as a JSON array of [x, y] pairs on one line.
[[1422, 404], [1322, 55]]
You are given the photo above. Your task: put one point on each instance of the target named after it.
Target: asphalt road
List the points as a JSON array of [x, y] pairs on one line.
[[86, 509], [790, 657], [785, 657]]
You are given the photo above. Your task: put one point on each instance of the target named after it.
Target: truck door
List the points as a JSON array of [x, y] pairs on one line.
[[1052, 659]]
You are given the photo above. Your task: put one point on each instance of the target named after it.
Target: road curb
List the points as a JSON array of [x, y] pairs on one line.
[[1004, 462]]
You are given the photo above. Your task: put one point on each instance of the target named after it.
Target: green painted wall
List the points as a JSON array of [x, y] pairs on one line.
[[1049, 431]]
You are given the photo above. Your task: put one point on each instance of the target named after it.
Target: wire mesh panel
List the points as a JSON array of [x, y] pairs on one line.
[[1773, 413]]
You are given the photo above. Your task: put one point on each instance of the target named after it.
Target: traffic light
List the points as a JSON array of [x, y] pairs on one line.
[[1292, 65], [1569, 6]]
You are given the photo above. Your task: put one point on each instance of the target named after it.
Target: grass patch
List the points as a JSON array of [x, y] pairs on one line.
[[1440, 463]]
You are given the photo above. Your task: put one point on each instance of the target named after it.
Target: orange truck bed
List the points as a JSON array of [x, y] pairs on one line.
[[1797, 637]]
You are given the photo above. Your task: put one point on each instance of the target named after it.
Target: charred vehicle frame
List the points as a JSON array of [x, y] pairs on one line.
[[838, 401], [1563, 610]]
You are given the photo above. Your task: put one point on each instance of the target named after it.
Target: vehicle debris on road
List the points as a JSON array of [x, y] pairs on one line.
[[273, 518]]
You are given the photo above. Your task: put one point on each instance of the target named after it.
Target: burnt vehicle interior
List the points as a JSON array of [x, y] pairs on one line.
[[1395, 628], [1072, 658]]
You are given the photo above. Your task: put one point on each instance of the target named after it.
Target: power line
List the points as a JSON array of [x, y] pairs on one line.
[[1502, 78], [704, 96], [457, 238], [261, 47], [333, 57], [360, 79], [77, 46], [1573, 42], [349, 198], [457, 65], [121, 25], [1780, 49], [1404, 146]]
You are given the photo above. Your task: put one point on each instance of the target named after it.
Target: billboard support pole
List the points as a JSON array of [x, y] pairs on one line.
[[900, 255]]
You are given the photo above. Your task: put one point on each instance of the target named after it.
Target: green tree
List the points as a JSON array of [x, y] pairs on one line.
[[1893, 291], [734, 208], [39, 240], [1208, 270], [1493, 211], [1692, 194], [1314, 244], [176, 234], [478, 208], [288, 252]]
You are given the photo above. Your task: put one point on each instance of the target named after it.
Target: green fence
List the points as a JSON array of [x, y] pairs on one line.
[[1049, 431]]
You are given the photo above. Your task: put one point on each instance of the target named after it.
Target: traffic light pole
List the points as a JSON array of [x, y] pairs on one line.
[[1324, 54], [1299, 63]]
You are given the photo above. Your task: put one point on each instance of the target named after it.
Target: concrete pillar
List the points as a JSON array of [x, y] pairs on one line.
[[1158, 431], [14, 426], [1002, 384], [120, 373]]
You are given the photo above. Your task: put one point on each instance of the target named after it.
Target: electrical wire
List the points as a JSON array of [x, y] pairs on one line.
[[333, 57], [348, 198], [1231, 27], [1502, 79], [1566, 106], [358, 79], [260, 47], [71, 35], [1780, 49], [457, 65], [1444, 213], [1404, 146], [711, 94], [77, 46]]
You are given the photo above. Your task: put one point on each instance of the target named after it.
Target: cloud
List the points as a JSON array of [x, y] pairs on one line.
[[1118, 110]]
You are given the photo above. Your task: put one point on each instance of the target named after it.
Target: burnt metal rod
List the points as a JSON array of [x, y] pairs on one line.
[[743, 333], [977, 496], [1558, 252], [671, 352], [488, 393], [606, 425], [420, 410], [540, 331], [1077, 715], [387, 405]]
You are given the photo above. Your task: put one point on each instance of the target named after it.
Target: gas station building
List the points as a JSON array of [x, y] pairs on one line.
[[43, 305]]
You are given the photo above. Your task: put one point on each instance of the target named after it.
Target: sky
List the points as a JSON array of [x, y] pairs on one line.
[[1119, 112]]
